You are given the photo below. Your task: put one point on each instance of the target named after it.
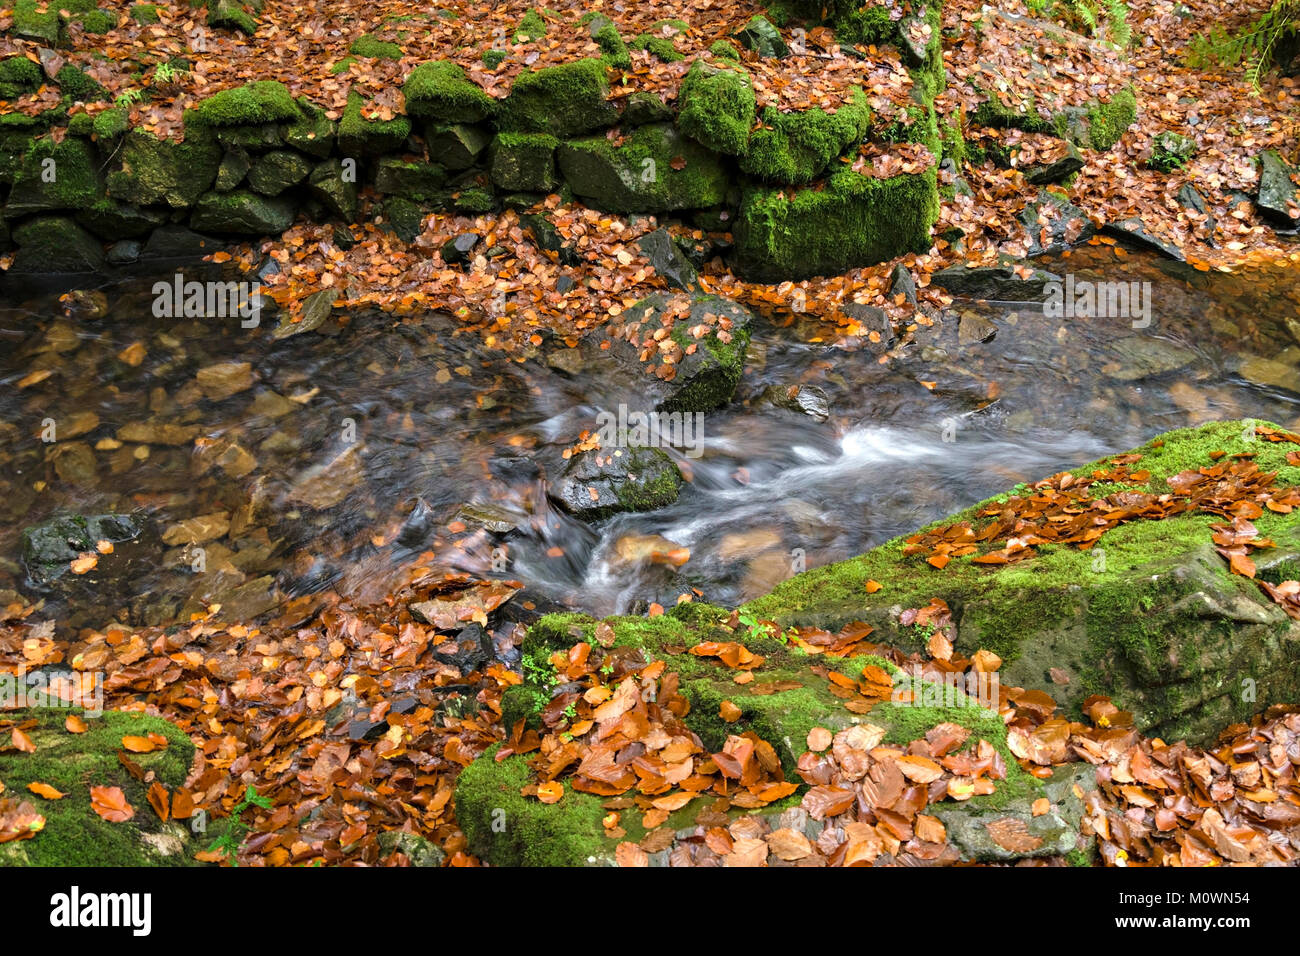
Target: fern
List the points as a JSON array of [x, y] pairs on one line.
[[1253, 46]]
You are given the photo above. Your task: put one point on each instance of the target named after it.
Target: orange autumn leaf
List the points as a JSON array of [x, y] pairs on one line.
[[729, 712], [111, 804], [550, 792], [46, 791], [22, 742], [74, 724], [139, 745], [158, 799]]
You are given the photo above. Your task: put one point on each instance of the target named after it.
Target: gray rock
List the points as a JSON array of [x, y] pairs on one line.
[[668, 260], [1141, 356], [764, 39], [1134, 231], [1054, 224], [999, 283], [806, 399], [1277, 190], [242, 213], [601, 482], [50, 547]]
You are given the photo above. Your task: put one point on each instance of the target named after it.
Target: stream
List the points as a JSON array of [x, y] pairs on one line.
[[337, 459]]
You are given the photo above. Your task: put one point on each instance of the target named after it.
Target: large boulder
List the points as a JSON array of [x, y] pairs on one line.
[[1151, 615], [68, 831], [653, 169], [605, 481], [156, 171]]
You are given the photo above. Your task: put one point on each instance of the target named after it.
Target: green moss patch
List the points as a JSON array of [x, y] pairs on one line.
[[262, 101], [565, 100], [441, 91], [716, 107]]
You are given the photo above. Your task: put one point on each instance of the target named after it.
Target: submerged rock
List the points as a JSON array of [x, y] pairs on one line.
[[602, 482], [50, 547], [1008, 281]]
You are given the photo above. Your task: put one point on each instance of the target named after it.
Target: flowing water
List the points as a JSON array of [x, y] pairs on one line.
[[336, 459]]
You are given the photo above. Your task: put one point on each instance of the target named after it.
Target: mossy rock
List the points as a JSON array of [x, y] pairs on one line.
[[716, 107], [361, 136], [144, 13], [331, 185], [56, 176], [418, 181], [96, 21], [51, 244], [1171, 151], [853, 221], [73, 834], [404, 216], [369, 46], [613, 50], [441, 91], [796, 148], [38, 21], [19, 76], [155, 171], [1150, 617], [655, 169], [241, 213], [505, 828], [564, 100], [111, 220], [312, 134], [523, 162], [602, 482], [111, 124], [457, 146], [262, 101], [274, 172], [233, 15], [531, 28]]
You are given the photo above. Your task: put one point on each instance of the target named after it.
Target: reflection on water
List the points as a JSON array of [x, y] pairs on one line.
[[264, 469]]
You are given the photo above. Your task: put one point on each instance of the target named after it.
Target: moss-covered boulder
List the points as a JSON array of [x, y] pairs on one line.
[[242, 213], [440, 91], [73, 834], [313, 133], [332, 185], [606, 481], [419, 181], [564, 100], [55, 244], [787, 695], [56, 176], [523, 161], [852, 221], [112, 220], [19, 76], [652, 169], [359, 135], [457, 146], [262, 101], [796, 148], [716, 107], [38, 21], [1151, 615], [154, 171], [274, 172]]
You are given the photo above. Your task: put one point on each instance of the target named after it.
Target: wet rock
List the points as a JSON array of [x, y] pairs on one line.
[[602, 482], [89, 305], [458, 146], [276, 171], [55, 244], [901, 283], [197, 530], [1054, 224], [224, 379], [414, 847], [1277, 196], [50, 547], [1134, 231], [74, 462], [1054, 172], [124, 253], [241, 213], [1008, 281], [234, 167], [547, 238], [648, 548], [329, 184], [418, 526], [707, 378], [457, 250], [316, 309], [1141, 356], [973, 328], [157, 433], [1194, 203], [469, 651], [872, 319], [324, 486], [177, 242], [250, 600], [668, 260], [806, 399], [490, 517], [404, 217], [1270, 373]]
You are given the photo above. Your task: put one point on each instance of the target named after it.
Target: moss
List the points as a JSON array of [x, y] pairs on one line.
[[342, 66], [1082, 857], [654, 169], [234, 14], [659, 492], [18, 75], [111, 123], [1171, 151], [716, 107], [76, 182], [564, 100], [612, 47], [419, 181], [853, 221], [78, 87], [360, 135], [369, 46], [144, 13], [74, 835], [523, 161], [501, 824], [1107, 122], [475, 199], [155, 171], [869, 24], [262, 101], [725, 49], [34, 20], [97, 21], [660, 47], [795, 148], [494, 58], [531, 28], [441, 91]]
